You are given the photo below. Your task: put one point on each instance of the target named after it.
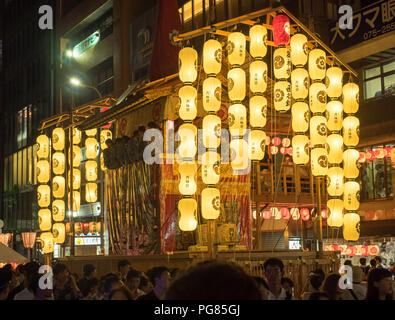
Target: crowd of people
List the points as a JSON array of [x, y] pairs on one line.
[[209, 280]]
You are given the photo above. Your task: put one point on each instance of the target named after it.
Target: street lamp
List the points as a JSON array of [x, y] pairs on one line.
[[77, 83]]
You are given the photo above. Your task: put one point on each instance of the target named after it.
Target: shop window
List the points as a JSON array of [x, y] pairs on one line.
[[379, 80]]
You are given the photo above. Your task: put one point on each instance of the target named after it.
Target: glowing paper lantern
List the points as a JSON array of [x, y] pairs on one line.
[[258, 76], [300, 149], [351, 98], [319, 162], [211, 203], [283, 150], [324, 214], [58, 210], [335, 212], [77, 136], [258, 111], [350, 163], [300, 117], [187, 65], [257, 144], [58, 139], [43, 171], [104, 136], [58, 163], [237, 119], [212, 57], [188, 110], [282, 63], [44, 196], [91, 170], [28, 238], [236, 48], [76, 201], [299, 50], [47, 242], [210, 167], [58, 186], [282, 96], [300, 83], [267, 214], [281, 30], [334, 115], [351, 227], [42, 146], [187, 184], [335, 148], [273, 150], [335, 181], [334, 82], [258, 41], [351, 131], [236, 84], [286, 142], [295, 214], [318, 130], [318, 97], [211, 94], [276, 214], [351, 195], [59, 233], [239, 154], [276, 141], [379, 153], [91, 192], [44, 220], [285, 214], [91, 133], [76, 179], [187, 209], [91, 148], [362, 157], [317, 64], [187, 134], [211, 131], [76, 156], [305, 214]]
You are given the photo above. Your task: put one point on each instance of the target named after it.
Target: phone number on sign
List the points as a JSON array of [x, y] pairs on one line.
[[374, 33]]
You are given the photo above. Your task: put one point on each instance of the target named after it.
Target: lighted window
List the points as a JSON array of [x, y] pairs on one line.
[[379, 80]]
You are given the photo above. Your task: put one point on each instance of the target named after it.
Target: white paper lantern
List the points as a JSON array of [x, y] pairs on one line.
[[236, 48], [237, 118], [44, 196], [299, 49], [76, 201], [91, 192], [43, 172], [282, 63], [258, 76], [334, 82], [187, 184], [58, 163], [257, 144], [58, 187], [351, 131], [47, 242], [76, 179], [44, 220], [335, 212], [187, 209], [318, 97], [58, 210], [104, 136], [258, 41], [335, 181], [258, 111], [351, 98], [334, 115], [335, 148], [318, 131], [282, 96], [187, 134], [211, 131], [212, 57], [211, 168], [91, 148], [351, 195], [42, 146], [211, 94], [300, 83], [187, 65], [77, 136], [300, 117], [188, 109], [300, 149], [236, 84], [59, 233], [58, 139], [351, 228], [91, 170], [319, 162], [350, 163], [91, 132], [211, 203], [239, 154], [76, 156], [317, 64]]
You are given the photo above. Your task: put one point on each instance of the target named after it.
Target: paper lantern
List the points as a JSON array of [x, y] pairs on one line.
[[212, 57], [334, 82], [258, 41], [267, 214], [351, 227], [295, 213], [187, 65], [187, 184], [59, 233], [44, 220], [351, 195], [211, 203], [350, 163], [43, 172], [91, 192], [275, 212], [299, 50], [334, 115], [44, 196], [300, 83], [370, 155], [351, 131], [58, 210], [388, 152], [379, 153], [28, 238], [237, 118], [47, 242], [236, 84], [58, 139], [91, 170], [76, 156], [283, 150], [305, 214], [58, 163], [362, 157], [290, 151], [317, 64], [335, 148], [285, 214], [76, 201], [91, 133], [187, 134], [276, 141], [317, 96], [273, 150], [211, 131], [77, 136], [281, 30], [335, 212], [188, 110], [258, 76], [42, 146], [187, 209], [282, 96], [318, 130], [239, 154], [257, 144], [351, 98], [91, 148], [324, 214], [76, 179], [236, 48], [58, 186], [286, 142], [319, 162], [104, 136], [300, 117], [211, 94], [258, 111], [282, 63], [335, 181], [300, 149], [210, 167]]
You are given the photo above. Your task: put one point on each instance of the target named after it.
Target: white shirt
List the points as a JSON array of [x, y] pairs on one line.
[[282, 296], [25, 294]]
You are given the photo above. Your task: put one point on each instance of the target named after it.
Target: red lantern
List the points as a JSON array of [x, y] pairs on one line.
[[276, 141], [283, 150], [387, 152], [370, 155], [304, 212], [335, 247], [29, 238], [85, 228], [373, 250], [362, 157], [365, 251], [285, 213], [267, 214], [324, 214], [342, 249], [289, 151], [349, 251], [281, 30]]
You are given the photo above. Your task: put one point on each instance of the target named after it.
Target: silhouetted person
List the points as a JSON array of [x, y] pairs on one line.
[[133, 147], [110, 161]]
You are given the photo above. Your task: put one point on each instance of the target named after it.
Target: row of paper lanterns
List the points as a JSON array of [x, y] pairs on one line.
[[379, 153], [287, 214], [357, 250]]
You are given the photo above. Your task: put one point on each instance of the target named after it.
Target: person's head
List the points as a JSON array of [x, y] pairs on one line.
[[288, 285], [357, 274], [159, 277], [274, 269], [152, 125], [145, 284], [124, 267], [61, 272], [319, 296], [141, 131], [111, 283], [262, 286], [133, 280], [331, 286], [379, 285], [120, 294], [378, 260], [214, 281], [109, 143], [348, 263], [89, 271], [373, 263], [362, 261], [316, 279]]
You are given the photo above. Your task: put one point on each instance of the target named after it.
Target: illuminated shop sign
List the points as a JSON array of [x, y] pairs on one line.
[[87, 241], [294, 244], [351, 251], [86, 44]]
